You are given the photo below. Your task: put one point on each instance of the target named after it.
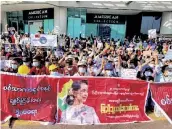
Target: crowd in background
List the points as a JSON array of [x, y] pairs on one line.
[[90, 56]]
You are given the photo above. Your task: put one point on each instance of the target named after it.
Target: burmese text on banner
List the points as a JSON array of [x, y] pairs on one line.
[[162, 95], [101, 100], [29, 98]]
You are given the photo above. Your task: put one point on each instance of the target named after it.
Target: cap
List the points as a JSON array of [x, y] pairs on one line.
[[52, 67]]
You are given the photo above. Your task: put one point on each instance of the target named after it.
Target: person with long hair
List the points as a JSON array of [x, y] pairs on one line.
[[77, 112]]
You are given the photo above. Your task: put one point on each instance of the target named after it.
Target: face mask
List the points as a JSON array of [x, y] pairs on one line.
[[26, 63], [23, 54], [18, 50], [170, 66], [152, 65], [35, 64], [82, 70], [169, 73], [54, 73], [109, 73], [8, 50], [69, 69], [147, 73], [116, 63], [14, 66]]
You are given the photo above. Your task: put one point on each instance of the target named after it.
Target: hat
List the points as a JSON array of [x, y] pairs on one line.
[[82, 62], [52, 67], [69, 57], [108, 66]]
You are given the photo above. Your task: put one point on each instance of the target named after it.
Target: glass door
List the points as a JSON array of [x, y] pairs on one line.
[[14, 24], [74, 27]]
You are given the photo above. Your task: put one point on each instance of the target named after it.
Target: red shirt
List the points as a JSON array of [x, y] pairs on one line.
[[13, 39], [70, 72], [39, 71]]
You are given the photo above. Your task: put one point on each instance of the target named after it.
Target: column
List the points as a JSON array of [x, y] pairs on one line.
[[3, 19], [60, 19], [166, 23]]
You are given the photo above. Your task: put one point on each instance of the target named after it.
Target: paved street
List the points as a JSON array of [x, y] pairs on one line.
[[150, 125], [158, 123]]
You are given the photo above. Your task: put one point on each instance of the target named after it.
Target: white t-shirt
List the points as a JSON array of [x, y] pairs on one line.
[[99, 44], [80, 114]]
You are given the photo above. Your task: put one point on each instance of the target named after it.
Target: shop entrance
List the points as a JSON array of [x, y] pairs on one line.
[[14, 24]]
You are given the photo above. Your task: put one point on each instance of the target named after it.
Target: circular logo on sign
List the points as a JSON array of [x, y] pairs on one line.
[[43, 40]]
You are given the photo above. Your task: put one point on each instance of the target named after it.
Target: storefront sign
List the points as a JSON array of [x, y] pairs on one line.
[[38, 14], [105, 18]]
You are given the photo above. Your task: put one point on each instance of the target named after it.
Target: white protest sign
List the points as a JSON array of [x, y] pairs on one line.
[[128, 73], [152, 33], [4, 63], [44, 40]]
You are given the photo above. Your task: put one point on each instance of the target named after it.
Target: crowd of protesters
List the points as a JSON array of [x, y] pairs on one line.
[[91, 56]]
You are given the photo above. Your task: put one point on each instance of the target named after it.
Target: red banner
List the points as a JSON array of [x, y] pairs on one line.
[[101, 100], [162, 96], [28, 98]]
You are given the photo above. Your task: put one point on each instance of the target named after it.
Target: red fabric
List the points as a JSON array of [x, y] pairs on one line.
[[8, 54], [71, 72], [162, 94], [13, 39], [28, 98], [114, 100], [41, 71]]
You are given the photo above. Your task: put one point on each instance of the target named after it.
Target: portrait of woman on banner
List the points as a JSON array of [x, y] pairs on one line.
[[77, 112]]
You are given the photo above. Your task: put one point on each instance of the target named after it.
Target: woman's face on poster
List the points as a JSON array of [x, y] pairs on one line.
[[82, 94]]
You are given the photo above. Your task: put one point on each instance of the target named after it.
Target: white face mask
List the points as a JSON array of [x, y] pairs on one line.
[[82, 70], [69, 69], [116, 63], [147, 73], [14, 66], [8, 50], [152, 65], [169, 73], [35, 64], [170, 66], [54, 73]]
